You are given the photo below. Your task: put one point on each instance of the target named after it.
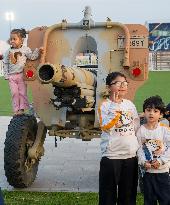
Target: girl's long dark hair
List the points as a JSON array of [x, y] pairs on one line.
[[20, 32]]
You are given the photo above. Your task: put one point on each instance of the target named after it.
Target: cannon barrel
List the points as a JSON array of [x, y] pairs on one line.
[[65, 76], [73, 87]]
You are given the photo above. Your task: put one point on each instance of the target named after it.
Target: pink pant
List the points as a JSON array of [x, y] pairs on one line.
[[18, 91]]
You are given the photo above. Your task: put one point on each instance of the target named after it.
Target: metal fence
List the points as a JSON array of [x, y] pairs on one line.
[[159, 61]]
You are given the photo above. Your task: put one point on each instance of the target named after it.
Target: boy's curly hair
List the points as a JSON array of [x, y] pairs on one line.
[[154, 102]]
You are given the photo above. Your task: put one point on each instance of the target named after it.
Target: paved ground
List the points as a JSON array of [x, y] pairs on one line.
[[72, 166]]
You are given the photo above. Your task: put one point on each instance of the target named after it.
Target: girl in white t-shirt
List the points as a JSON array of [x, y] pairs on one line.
[[118, 119]]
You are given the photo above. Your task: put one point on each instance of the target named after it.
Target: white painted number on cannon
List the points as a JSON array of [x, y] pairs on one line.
[[134, 42]]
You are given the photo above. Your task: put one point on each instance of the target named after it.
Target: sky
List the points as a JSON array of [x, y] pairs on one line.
[[32, 13]]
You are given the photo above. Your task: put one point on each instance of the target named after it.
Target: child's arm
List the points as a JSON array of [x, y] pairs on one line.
[[6, 65], [165, 156], [141, 156], [136, 124], [33, 55], [107, 118], [136, 118], [140, 153], [12, 59], [142, 160]]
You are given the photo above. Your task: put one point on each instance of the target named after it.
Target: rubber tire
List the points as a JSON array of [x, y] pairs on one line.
[[20, 129]]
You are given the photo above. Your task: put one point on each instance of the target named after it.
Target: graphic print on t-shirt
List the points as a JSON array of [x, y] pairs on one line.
[[125, 123], [153, 148]]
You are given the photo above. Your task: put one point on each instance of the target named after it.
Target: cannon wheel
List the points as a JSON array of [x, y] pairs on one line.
[[21, 134]]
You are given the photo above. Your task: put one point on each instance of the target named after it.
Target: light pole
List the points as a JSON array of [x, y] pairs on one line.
[[9, 16]]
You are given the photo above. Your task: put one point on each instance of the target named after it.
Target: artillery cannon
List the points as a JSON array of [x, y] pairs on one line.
[[68, 83]]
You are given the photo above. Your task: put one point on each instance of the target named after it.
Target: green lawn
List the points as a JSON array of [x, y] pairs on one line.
[[158, 83], [5, 98], [54, 198]]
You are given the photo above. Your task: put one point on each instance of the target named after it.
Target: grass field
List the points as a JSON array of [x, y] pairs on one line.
[[5, 98], [158, 83], [54, 198]]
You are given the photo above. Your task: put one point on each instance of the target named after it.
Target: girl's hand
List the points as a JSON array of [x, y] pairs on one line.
[[118, 124], [12, 59], [115, 97], [41, 50]]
